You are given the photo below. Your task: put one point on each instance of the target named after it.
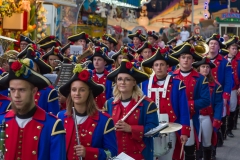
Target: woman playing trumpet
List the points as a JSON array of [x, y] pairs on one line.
[[95, 128], [131, 124]]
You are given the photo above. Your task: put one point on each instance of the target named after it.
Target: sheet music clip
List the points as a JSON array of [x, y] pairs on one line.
[[123, 156]]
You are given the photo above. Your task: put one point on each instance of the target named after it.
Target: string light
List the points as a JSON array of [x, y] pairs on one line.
[[206, 7]]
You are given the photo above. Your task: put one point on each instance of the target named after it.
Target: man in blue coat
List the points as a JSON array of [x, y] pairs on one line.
[[31, 133], [197, 91]]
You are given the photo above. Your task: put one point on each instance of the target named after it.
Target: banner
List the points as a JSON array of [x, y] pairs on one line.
[[70, 3]]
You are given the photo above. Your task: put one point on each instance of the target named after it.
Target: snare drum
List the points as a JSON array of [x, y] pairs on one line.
[[161, 145]]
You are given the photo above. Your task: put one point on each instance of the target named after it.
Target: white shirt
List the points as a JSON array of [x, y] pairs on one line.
[[184, 35], [179, 42], [22, 122], [81, 120]]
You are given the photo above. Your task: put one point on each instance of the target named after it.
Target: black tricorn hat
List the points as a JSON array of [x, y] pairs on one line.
[[46, 39], [127, 67], [223, 52], [49, 44], [100, 44], [138, 34], [110, 39], [24, 51], [216, 37], [162, 54], [172, 40], [27, 39], [35, 57], [204, 60], [152, 34], [231, 41], [78, 36], [144, 46], [84, 75], [187, 49], [56, 51], [101, 52], [124, 50], [64, 48], [21, 69]]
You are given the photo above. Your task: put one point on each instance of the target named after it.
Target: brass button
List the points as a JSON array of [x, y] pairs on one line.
[[20, 141], [20, 136], [35, 138], [39, 127], [136, 110], [65, 121], [6, 125], [6, 150], [93, 125], [95, 156], [6, 135], [35, 100], [168, 104], [173, 116], [21, 130], [38, 94], [19, 147], [142, 145], [34, 152], [171, 111], [88, 144], [19, 152], [90, 133], [18, 158]]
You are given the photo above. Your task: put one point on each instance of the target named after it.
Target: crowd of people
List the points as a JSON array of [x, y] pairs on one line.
[[107, 107]]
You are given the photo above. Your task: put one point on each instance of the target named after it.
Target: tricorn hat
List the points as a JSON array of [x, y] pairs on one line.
[[101, 52], [144, 46], [204, 60], [84, 75], [22, 69], [27, 39], [110, 39], [161, 54], [79, 36], [124, 50], [216, 37], [152, 34], [56, 51], [127, 67], [138, 34]]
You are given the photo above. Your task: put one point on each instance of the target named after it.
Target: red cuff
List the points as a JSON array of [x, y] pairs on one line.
[[226, 95], [137, 132], [217, 123], [185, 130], [191, 107], [91, 153]]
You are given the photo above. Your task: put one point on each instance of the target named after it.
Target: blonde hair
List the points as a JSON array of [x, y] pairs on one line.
[[91, 106], [136, 93], [116, 62]]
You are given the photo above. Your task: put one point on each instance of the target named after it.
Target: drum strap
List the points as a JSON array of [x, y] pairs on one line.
[[158, 90]]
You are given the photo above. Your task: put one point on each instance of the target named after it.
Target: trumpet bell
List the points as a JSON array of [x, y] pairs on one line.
[[147, 70], [201, 48]]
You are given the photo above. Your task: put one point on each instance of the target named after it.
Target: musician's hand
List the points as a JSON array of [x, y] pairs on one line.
[[183, 138], [80, 150], [122, 126]]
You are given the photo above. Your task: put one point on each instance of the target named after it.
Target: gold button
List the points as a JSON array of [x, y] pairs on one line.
[[88, 144], [168, 99], [35, 138], [18, 158], [168, 104], [38, 94], [20, 136], [90, 133], [19, 147], [6, 125], [6, 149], [95, 156], [93, 125], [6, 135], [21, 130], [142, 145], [136, 110], [19, 152], [136, 117], [140, 136], [171, 111], [39, 127], [141, 133], [20, 141], [35, 100], [34, 152], [173, 116], [190, 92], [65, 121]]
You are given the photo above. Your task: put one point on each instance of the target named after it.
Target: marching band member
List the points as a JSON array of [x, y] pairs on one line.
[[111, 43], [232, 47], [80, 39], [197, 93], [95, 128], [123, 53], [66, 49], [24, 41], [46, 98], [126, 96], [172, 42], [145, 50], [223, 74], [152, 38], [137, 39], [100, 60], [174, 103], [47, 43], [5, 102], [210, 117], [31, 133], [52, 55]]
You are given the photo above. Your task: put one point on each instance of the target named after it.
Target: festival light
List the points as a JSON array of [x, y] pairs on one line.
[[206, 7]]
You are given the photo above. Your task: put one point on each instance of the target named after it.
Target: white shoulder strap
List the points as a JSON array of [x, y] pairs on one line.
[[165, 86]]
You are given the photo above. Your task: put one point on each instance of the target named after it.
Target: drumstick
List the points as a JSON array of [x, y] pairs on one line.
[[181, 150]]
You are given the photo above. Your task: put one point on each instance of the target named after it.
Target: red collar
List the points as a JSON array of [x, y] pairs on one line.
[[40, 114], [2, 97], [193, 73], [95, 116]]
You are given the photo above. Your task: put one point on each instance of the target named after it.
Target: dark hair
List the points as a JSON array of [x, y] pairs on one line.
[[172, 24]]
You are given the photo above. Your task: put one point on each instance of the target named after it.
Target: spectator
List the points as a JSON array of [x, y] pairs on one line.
[[125, 38], [160, 42], [172, 32], [184, 34]]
